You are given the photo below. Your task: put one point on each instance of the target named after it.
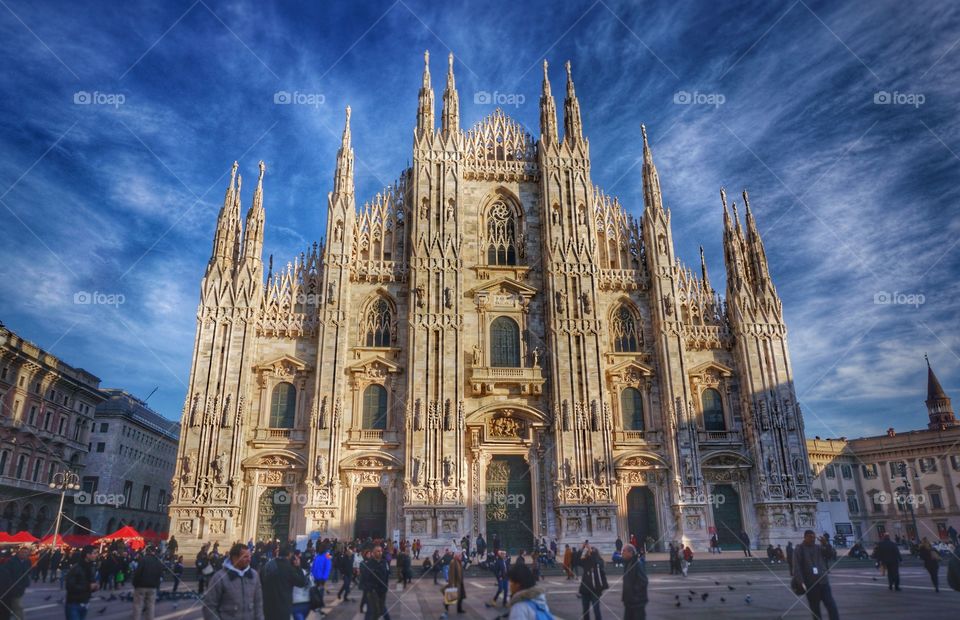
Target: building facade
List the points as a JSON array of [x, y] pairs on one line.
[[132, 456], [46, 415], [903, 484], [491, 344]]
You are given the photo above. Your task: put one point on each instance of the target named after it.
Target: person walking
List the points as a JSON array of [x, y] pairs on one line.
[[593, 583], [17, 571], [888, 554], [745, 543], [810, 574], [527, 600], [568, 561], [80, 583], [177, 572], [931, 562], [500, 574], [300, 597], [279, 577], [204, 568], [790, 556], [405, 567], [635, 584], [455, 580], [374, 580], [146, 581], [321, 571], [235, 592], [346, 569]]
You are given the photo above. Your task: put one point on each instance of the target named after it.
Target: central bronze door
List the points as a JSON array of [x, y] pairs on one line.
[[509, 504]]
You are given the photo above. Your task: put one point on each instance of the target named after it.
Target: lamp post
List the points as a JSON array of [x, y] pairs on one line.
[[65, 481], [907, 498]]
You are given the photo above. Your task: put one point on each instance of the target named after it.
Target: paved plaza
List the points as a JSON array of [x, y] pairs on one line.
[[860, 593]]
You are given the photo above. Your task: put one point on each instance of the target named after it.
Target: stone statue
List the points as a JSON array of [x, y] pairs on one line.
[[217, 465], [331, 293], [419, 292], [447, 470], [448, 297], [585, 301], [535, 354], [567, 472], [186, 467], [476, 355], [321, 471], [561, 304], [417, 470], [688, 468]]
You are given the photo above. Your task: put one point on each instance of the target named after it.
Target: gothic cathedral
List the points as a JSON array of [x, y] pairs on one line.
[[491, 345]]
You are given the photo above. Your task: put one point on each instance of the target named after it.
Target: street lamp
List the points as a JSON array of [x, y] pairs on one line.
[[907, 498], [65, 481]]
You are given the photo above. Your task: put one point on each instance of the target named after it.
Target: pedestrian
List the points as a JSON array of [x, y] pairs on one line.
[[80, 584], [568, 561], [714, 543], [454, 580], [952, 535], [810, 574], [635, 584], [745, 543], [527, 600], [931, 562], [888, 554], [146, 581], [618, 545], [593, 582], [321, 570], [405, 567], [300, 597], [279, 577], [500, 574], [17, 571], [204, 568], [481, 546], [790, 556], [346, 569], [374, 580], [235, 592]]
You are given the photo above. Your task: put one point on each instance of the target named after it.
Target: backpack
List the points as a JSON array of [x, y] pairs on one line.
[[541, 613]]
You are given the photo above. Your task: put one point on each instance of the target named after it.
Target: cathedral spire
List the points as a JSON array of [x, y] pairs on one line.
[[253, 230], [222, 237], [703, 271], [450, 122], [425, 103], [572, 125], [758, 255], [343, 179], [938, 403], [548, 111], [236, 233], [652, 198]]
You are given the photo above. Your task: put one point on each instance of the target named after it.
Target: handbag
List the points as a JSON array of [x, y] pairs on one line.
[[207, 570], [451, 595], [316, 598]]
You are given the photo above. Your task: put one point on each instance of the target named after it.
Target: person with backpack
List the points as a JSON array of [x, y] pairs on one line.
[[528, 601], [279, 577], [635, 584], [500, 574], [593, 583]]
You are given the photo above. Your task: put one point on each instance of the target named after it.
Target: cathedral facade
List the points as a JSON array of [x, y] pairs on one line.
[[490, 345]]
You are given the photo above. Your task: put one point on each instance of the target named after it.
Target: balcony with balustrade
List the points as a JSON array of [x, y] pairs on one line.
[[719, 438], [491, 379], [279, 437], [637, 438]]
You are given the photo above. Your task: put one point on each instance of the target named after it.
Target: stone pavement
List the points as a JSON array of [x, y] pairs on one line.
[[860, 592]]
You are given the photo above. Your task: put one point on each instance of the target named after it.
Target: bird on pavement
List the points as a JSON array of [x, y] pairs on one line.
[[731, 588], [704, 596]]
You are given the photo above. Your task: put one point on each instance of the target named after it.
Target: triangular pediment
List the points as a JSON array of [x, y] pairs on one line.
[[287, 362], [724, 371], [505, 286], [627, 366], [375, 365]]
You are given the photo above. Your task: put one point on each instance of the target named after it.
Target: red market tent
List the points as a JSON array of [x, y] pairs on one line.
[[55, 541], [124, 533], [79, 540], [4, 537], [150, 535], [23, 537]]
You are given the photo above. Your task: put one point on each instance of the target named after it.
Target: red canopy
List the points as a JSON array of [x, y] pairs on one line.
[[79, 540], [150, 535], [23, 537], [4, 537], [124, 533], [51, 540]]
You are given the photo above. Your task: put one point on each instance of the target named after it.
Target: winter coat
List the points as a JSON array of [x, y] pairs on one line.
[[888, 553], [635, 583], [278, 578], [374, 575], [77, 582], [455, 577], [233, 595], [321, 567], [594, 580], [18, 576], [525, 603], [810, 563], [149, 572]]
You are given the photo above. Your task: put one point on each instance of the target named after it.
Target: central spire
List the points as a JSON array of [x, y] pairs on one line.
[[343, 178], [425, 103], [253, 231], [651, 180], [572, 126], [450, 121], [548, 110]]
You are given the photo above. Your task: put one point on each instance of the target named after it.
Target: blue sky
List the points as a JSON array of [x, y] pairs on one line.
[[854, 197]]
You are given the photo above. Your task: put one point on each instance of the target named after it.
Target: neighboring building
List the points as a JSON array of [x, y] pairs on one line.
[[133, 451], [866, 476], [46, 412], [490, 345]]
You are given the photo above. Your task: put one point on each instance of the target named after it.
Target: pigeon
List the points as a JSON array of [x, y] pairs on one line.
[[678, 604], [749, 584], [102, 610], [692, 592], [48, 598], [716, 583], [690, 598], [731, 588], [676, 596], [874, 578], [723, 600], [704, 596], [748, 599]]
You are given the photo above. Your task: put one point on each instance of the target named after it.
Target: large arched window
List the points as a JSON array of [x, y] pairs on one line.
[[501, 235], [712, 411], [631, 406], [505, 343], [283, 406], [625, 329], [376, 324], [374, 408]]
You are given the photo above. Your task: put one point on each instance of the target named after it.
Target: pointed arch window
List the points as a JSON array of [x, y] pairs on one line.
[[501, 235], [504, 343], [374, 408], [626, 331], [376, 324], [283, 406], [631, 407], [713, 419]]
